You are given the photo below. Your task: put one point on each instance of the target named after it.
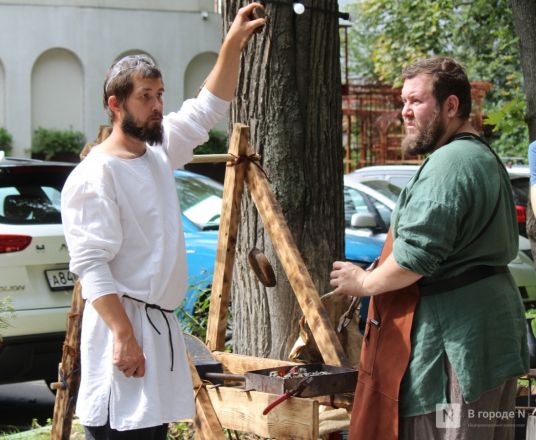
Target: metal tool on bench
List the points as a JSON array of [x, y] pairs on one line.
[[201, 357]]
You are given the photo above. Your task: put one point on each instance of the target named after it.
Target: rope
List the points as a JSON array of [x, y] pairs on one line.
[[253, 158], [163, 312]]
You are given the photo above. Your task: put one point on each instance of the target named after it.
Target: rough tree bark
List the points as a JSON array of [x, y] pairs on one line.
[[289, 93], [524, 14]]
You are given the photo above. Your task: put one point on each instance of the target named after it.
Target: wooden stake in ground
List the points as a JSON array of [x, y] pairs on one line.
[[68, 371]]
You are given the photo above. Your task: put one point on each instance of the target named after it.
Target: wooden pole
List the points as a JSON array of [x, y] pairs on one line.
[[68, 371], [206, 422], [215, 158], [294, 266], [225, 255]]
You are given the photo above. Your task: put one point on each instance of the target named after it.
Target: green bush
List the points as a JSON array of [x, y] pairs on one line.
[[216, 144], [54, 144], [5, 141], [196, 322]]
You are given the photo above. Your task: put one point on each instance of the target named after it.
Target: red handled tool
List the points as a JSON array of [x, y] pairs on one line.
[[294, 392]]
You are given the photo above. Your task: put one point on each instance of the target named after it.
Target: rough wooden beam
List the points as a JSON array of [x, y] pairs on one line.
[[239, 364], [225, 255], [68, 370], [242, 411], [308, 298]]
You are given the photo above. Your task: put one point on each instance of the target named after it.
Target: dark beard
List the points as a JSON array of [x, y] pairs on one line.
[[151, 135], [426, 140]]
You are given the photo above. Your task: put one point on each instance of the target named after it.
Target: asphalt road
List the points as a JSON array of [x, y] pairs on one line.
[[22, 402]]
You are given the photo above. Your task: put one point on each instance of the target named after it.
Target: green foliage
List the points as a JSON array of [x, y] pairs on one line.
[[388, 35], [5, 141], [49, 143], [181, 431], [196, 322], [216, 144]]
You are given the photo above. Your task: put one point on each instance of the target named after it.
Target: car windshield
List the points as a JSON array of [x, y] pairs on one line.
[[31, 195], [384, 188], [200, 199]]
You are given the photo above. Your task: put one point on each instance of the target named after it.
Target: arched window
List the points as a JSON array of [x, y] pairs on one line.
[[58, 91], [197, 71]]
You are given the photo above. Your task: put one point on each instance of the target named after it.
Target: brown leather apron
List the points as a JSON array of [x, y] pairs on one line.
[[384, 358]]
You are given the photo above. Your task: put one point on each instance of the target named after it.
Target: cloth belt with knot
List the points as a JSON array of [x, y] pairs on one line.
[[163, 312]]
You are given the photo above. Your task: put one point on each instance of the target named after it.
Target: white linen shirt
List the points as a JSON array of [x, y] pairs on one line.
[[122, 224]]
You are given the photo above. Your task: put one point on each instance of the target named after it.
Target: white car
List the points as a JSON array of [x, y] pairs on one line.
[[372, 217], [33, 268], [400, 175], [368, 207]]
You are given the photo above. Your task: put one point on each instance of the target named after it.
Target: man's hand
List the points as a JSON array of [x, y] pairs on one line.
[[222, 79], [352, 280], [347, 278], [244, 25], [128, 356]]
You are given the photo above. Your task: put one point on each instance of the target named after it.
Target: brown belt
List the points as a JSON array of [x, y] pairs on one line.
[[429, 287]]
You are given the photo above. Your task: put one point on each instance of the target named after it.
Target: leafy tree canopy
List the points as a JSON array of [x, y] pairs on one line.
[[387, 35]]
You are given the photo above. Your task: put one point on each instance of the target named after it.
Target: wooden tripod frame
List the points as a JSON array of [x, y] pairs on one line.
[[297, 418]]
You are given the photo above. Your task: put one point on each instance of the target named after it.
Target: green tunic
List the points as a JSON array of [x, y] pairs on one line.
[[480, 327]]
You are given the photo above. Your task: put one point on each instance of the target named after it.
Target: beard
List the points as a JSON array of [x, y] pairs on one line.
[[426, 139], [150, 132]]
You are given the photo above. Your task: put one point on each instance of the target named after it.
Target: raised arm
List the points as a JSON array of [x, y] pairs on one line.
[[223, 77]]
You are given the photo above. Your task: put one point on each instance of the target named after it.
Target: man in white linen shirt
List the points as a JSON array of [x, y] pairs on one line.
[[122, 225]]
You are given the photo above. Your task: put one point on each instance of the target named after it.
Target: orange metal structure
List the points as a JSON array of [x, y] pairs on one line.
[[373, 128]]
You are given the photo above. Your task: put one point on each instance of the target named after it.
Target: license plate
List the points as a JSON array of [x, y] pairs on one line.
[[60, 279]]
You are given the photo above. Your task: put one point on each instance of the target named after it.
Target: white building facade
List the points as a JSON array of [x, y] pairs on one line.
[[54, 55]]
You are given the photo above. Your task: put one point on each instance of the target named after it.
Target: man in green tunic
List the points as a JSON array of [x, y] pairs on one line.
[[454, 232]]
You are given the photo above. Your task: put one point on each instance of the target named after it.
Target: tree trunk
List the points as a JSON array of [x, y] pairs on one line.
[[524, 14], [289, 93]]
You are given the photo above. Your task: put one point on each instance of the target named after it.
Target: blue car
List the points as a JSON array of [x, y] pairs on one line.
[[200, 199]]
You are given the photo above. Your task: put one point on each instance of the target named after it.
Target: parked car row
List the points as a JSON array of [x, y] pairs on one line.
[[34, 257]]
